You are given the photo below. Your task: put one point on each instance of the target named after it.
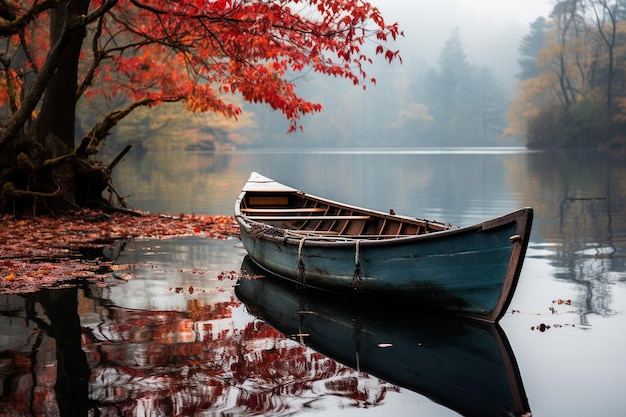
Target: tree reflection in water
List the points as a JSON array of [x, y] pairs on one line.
[[139, 362], [45, 373], [587, 256], [586, 192]]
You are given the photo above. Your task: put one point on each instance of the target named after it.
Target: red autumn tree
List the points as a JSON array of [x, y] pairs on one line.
[[58, 55]]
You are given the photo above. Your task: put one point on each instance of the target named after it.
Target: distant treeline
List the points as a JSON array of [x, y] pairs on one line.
[[453, 103], [572, 90]]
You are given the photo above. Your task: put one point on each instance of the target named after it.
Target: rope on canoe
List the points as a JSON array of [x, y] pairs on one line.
[[300, 249], [357, 280], [301, 276]]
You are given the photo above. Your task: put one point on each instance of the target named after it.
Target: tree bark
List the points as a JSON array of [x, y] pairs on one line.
[[58, 110]]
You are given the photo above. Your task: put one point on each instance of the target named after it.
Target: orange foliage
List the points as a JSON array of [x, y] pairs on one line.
[[198, 51]]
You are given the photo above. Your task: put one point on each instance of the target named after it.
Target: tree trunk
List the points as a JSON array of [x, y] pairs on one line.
[[58, 111]]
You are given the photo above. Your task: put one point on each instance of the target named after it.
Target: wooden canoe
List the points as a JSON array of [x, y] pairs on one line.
[[337, 247], [465, 365]]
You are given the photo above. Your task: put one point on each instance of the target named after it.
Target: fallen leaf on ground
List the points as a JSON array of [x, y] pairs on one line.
[[43, 252]]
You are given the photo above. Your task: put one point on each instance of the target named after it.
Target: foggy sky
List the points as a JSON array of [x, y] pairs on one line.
[[491, 30]]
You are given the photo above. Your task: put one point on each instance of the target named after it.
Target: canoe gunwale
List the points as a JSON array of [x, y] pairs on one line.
[[279, 234]]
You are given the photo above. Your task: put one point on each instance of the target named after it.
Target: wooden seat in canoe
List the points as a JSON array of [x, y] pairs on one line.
[[322, 218], [284, 211]]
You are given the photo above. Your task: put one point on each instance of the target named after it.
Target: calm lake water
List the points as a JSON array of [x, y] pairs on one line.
[[175, 338]]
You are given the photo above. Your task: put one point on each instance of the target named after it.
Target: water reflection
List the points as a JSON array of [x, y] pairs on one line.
[[44, 369], [186, 349], [75, 352], [586, 194], [464, 365], [153, 346], [462, 186]]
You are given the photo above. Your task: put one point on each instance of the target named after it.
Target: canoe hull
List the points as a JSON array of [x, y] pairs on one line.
[[471, 270]]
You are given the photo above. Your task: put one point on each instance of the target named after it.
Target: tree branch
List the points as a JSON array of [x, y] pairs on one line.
[[27, 53], [98, 56], [102, 129], [101, 11], [15, 25], [19, 118]]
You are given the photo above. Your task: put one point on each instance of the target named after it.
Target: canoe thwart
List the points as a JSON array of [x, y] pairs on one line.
[[278, 200], [286, 210], [331, 236], [308, 217]]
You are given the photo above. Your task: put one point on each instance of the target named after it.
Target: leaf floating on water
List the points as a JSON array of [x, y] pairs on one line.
[[123, 267], [189, 290], [235, 275], [543, 327]]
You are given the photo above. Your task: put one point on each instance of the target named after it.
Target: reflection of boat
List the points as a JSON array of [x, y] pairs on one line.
[[463, 364], [321, 243]]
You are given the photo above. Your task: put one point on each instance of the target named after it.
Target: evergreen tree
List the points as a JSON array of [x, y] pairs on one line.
[[466, 103], [529, 48]]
